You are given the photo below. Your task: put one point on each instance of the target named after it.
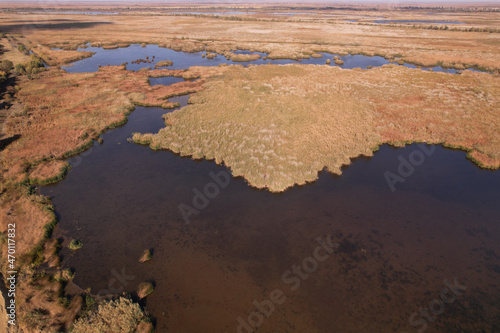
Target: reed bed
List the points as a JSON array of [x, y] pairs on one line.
[[278, 126], [286, 39], [144, 289], [242, 57], [115, 316], [60, 115]]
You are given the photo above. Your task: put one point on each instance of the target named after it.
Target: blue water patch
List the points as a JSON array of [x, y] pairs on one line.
[[165, 81], [214, 13], [181, 60], [152, 54], [295, 13], [243, 52], [418, 21]]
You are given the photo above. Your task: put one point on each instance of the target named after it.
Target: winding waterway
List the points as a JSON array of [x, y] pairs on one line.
[[184, 60], [398, 249]]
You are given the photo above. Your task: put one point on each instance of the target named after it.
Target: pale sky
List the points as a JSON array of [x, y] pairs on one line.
[[329, 2]]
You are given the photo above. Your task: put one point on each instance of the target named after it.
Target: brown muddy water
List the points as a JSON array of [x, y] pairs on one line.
[[424, 257]]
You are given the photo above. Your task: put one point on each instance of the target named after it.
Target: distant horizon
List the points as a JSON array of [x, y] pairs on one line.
[[433, 3]]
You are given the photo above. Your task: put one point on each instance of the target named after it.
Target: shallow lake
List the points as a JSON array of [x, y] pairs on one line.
[[397, 250], [182, 60], [418, 21], [214, 13]]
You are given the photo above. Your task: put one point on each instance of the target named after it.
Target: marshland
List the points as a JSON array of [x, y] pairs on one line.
[[172, 167]]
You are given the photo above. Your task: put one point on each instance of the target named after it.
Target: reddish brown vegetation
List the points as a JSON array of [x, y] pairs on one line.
[[49, 172], [60, 114], [334, 115], [48, 311], [64, 113], [57, 57]]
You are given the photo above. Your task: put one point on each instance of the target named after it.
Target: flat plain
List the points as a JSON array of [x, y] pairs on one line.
[[276, 126]]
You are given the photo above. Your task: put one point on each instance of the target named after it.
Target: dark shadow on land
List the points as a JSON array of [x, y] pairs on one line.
[[7, 141], [51, 20], [53, 26]]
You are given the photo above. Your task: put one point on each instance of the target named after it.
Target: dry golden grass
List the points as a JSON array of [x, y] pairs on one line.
[[158, 95], [286, 38], [144, 289], [146, 256], [46, 311], [164, 63], [11, 52], [49, 56], [29, 214], [63, 112], [60, 114], [117, 316], [277, 126], [57, 118], [241, 57], [49, 172], [57, 57]]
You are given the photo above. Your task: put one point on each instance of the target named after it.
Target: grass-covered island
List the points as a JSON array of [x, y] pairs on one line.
[[277, 126]]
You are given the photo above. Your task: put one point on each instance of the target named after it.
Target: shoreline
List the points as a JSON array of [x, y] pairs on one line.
[[191, 130], [65, 114]]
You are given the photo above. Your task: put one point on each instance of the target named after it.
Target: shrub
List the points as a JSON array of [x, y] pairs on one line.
[[89, 305], [117, 316], [6, 66], [23, 49], [3, 77], [75, 244], [67, 274], [145, 289], [164, 63], [211, 55], [19, 69], [146, 255], [34, 66]]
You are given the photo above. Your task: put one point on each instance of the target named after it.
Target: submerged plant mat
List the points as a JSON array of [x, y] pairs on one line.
[[280, 125]]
